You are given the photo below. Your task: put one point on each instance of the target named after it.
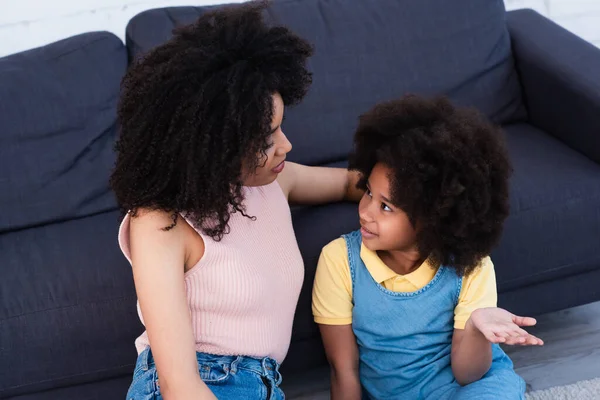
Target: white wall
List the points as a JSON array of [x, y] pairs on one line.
[[581, 17], [29, 23]]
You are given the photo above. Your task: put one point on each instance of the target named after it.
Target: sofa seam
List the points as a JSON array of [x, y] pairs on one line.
[[67, 377], [115, 299]]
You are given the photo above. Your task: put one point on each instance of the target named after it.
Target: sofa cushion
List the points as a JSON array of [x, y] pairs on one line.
[[553, 230], [367, 52], [115, 388], [57, 129], [314, 227], [67, 305]]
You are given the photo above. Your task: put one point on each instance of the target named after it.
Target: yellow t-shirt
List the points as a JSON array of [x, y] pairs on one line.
[[332, 290]]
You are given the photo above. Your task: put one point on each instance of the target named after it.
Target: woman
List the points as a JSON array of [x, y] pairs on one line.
[[202, 175]]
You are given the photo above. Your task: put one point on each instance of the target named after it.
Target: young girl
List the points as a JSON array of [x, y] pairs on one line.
[[407, 305], [201, 171]]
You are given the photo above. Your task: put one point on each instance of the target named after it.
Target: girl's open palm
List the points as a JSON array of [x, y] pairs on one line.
[[501, 326]]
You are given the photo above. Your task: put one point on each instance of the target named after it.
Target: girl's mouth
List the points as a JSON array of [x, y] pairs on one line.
[[367, 234]]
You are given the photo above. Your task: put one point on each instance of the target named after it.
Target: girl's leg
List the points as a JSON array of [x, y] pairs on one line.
[[501, 383]]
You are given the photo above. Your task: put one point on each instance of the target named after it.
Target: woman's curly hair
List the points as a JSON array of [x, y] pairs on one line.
[[450, 174], [198, 108]]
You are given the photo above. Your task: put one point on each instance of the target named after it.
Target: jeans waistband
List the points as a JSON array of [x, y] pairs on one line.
[[266, 367]]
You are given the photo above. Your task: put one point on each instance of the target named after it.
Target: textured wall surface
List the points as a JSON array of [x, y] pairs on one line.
[[29, 23]]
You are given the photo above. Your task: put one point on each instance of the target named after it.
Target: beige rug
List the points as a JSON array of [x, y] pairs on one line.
[[584, 390]]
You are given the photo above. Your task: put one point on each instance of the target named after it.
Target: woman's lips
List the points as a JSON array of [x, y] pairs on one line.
[[279, 167]]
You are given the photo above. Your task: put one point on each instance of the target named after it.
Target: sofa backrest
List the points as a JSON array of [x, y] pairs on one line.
[[366, 52], [57, 127]]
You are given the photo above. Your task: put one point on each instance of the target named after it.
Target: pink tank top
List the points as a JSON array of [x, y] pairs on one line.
[[243, 292]]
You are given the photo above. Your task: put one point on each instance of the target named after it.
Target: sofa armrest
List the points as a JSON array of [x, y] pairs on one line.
[[560, 76]]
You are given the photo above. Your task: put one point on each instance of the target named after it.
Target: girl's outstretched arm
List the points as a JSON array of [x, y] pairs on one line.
[[472, 346], [342, 354], [318, 185], [471, 355], [473, 316], [158, 258]]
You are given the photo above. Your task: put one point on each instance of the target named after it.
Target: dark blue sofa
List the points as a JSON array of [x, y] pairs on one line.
[[67, 301]]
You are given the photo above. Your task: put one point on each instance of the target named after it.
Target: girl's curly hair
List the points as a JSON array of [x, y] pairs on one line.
[[198, 108], [450, 174]]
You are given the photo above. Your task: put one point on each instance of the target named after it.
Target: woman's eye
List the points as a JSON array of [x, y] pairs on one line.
[[368, 193], [385, 207]]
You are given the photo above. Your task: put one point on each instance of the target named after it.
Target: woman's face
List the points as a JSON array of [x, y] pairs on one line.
[[274, 163]]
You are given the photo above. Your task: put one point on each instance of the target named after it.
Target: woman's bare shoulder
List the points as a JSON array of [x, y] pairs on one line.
[[161, 231]]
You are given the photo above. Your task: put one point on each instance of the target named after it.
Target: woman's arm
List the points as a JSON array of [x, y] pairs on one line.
[[158, 259], [318, 185], [342, 354]]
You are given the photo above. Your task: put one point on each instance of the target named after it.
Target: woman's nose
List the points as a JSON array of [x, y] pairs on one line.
[[285, 146]]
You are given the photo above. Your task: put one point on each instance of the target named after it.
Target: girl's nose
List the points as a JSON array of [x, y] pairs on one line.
[[365, 213]]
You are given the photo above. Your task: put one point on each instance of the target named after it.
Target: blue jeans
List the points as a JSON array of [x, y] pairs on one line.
[[228, 377]]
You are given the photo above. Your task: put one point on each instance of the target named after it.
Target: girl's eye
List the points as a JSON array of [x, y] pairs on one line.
[[385, 207], [368, 192]]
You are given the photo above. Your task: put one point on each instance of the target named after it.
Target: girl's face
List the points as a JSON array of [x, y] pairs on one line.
[[270, 167], [384, 227]]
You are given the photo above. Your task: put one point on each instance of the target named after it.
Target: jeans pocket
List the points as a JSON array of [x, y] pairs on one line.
[[214, 373], [138, 373], [145, 386]]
